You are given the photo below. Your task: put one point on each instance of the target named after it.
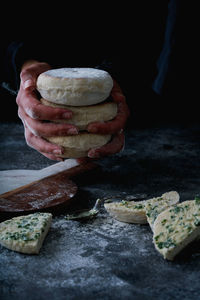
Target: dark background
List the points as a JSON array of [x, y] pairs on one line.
[[103, 258], [132, 38]]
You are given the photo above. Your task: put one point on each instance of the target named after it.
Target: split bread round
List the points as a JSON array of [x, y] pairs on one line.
[[177, 227], [84, 115], [75, 86], [136, 211], [76, 146], [127, 212]]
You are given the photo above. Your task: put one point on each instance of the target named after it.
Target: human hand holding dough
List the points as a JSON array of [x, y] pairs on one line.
[[108, 119], [84, 91], [33, 113]]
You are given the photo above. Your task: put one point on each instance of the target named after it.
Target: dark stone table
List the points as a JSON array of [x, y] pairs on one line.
[[104, 258]]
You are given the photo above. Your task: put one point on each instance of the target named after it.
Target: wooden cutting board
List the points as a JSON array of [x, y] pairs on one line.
[[45, 192]]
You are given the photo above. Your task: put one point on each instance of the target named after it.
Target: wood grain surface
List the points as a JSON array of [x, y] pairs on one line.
[[47, 192]]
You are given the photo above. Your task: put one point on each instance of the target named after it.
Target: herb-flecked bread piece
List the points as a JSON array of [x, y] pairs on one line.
[[154, 208], [134, 211], [127, 211], [176, 227], [25, 234]]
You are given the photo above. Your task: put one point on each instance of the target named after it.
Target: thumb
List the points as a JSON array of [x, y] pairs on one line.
[[28, 84], [28, 80], [30, 72]]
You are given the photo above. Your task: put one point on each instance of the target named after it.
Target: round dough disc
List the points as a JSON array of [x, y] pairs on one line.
[[75, 86], [77, 146], [84, 115]]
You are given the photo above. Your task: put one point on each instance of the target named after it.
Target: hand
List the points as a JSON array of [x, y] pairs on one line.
[[114, 127], [115, 146], [33, 113]]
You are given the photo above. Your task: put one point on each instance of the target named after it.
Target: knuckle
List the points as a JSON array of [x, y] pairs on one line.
[[18, 99], [33, 112], [19, 114], [35, 132], [28, 139], [34, 128], [23, 73], [29, 143]]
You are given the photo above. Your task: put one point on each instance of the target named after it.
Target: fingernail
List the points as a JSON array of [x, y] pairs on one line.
[[72, 131], [28, 83], [60, 159], [67, 115], [93, 154], [57, 151]]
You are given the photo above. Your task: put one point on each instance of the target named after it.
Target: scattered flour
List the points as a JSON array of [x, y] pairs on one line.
[[66, 259], [77, 73]]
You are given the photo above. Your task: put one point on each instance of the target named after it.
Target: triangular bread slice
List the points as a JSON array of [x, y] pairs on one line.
[[176, 227], [155, 207], [25, 234], [127, 211], [134, 211]]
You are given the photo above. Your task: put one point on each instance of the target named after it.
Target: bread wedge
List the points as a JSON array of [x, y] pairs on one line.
[[25, 234], [127, 211], [134, 211], [155, 207], [176, 227]]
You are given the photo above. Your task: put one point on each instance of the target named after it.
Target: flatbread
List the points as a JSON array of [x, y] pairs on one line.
[[135, 211], [155, 207], [25, 234], [176, 227]]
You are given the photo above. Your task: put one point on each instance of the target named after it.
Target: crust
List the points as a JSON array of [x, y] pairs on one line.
[[75, 86]]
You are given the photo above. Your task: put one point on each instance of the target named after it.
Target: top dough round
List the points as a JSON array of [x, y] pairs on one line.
[[75, 86]]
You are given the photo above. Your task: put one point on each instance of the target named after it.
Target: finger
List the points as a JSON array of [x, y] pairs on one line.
[[52, 157], [118, 97], [115, 146], [119, 121], [83, 160], [42, 145], [34, 109], [29, 75], [113, 126], [116, 87], [39, 128]]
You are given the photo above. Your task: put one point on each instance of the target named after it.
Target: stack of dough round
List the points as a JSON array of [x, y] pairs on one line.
[[81, 90]]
